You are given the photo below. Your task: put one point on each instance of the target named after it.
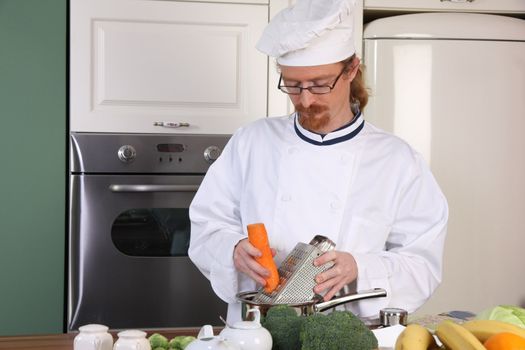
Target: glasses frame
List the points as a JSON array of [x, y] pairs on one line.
[[310, 88]]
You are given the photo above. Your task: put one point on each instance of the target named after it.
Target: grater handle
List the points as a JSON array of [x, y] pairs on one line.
[[364, 294]]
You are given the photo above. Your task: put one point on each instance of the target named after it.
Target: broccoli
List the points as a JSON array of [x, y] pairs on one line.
[[180, 342], [157, 340], [337, 330], [284, 325]]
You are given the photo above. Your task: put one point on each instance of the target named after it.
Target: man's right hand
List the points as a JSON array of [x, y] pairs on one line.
[[244, 256]]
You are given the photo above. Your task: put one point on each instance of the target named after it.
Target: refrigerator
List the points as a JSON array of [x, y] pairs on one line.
[[453, 86]]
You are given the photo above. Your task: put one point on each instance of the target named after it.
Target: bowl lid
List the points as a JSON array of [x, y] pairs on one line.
[[132, 333], [93, 328]]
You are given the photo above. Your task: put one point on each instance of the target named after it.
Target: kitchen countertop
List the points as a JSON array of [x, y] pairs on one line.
[[65, 341]]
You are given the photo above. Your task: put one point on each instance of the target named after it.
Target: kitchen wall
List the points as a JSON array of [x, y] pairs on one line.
[[33, 165]]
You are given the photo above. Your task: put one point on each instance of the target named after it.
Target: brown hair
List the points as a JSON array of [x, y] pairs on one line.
[[358, 91]]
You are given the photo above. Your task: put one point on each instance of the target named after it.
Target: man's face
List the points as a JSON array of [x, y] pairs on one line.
[[321, 113]]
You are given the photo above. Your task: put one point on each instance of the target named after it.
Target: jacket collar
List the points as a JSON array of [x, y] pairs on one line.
[[344, 133]]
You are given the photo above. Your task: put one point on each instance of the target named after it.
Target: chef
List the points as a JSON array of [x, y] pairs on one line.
[[321, 170]]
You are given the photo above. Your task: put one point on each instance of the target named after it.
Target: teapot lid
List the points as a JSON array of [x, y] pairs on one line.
[[246, 325], [206, 333], [255, 324], [206, 340]]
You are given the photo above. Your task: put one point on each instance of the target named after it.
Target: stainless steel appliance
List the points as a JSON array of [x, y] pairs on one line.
[[129, 231]]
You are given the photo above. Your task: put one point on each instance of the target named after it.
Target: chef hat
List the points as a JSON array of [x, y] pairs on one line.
[[310, 33]]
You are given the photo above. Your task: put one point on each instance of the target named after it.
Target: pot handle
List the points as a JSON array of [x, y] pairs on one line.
[[364, 294]]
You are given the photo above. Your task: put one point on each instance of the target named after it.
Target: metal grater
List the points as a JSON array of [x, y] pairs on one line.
[[297, 274]]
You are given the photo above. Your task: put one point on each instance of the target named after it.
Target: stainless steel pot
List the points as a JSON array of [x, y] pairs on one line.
[[309, 307]]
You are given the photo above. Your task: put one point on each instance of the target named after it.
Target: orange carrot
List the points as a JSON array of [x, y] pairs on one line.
[[259, 239]]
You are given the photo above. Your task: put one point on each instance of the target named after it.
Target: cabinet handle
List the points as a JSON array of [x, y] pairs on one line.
[[171, 124], [153, 188], [458, 1]]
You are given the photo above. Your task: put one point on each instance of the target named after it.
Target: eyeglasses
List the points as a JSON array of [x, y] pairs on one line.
[[314, 89]]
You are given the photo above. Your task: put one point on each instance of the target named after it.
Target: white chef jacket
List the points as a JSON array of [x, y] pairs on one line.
[[363, 188]]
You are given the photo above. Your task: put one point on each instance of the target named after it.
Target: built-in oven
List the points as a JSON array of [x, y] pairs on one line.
[[130, 230]]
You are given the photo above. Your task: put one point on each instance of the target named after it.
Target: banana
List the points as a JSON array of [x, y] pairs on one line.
[[456, 337], [415, 337], [483, 329]]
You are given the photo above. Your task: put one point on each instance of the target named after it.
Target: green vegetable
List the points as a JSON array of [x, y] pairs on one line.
[[336, 331], [504, 313], [284, 325], [157, 340], [180, 342]]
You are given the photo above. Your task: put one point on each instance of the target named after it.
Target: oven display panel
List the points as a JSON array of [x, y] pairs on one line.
[[171, 147]]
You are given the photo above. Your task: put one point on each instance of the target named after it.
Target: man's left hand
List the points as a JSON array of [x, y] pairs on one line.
[[332, 280]]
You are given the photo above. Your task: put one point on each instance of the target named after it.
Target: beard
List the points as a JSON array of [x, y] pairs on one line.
[[313, 118]]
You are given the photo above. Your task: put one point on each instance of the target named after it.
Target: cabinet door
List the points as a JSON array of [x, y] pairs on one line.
[[229, 1], [137, 62], [492, 6]]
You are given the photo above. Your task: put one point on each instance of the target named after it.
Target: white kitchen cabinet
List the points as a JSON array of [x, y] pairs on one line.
[[225, 1], [488, 6], [137, 62]]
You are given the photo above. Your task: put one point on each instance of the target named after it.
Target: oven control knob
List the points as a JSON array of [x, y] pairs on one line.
[[127, 154], [212, 153]]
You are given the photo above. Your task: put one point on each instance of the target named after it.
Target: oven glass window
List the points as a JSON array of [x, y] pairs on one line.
[[152, 232]]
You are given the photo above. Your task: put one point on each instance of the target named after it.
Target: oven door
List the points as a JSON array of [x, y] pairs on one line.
[[128, 262]]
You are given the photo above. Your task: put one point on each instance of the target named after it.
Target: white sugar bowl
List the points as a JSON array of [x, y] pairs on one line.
[[132, 340], [250, 335], [93, 337]]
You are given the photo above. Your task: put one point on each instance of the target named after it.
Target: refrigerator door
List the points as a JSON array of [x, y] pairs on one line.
[[460, 102]]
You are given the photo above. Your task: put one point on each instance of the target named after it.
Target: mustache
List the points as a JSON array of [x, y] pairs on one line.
[[312, 109]]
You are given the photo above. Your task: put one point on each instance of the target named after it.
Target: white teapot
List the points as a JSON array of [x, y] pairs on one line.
[[250, 335], [132, 340], [207, 341], [93, 337]]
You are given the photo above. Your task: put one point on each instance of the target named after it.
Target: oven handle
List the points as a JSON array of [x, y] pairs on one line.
[[118, 188]]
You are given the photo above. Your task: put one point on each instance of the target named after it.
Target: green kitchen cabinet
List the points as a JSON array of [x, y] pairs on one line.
[[33, 36]]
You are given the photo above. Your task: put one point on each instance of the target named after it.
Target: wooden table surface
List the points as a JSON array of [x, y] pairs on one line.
[[65, 341]]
